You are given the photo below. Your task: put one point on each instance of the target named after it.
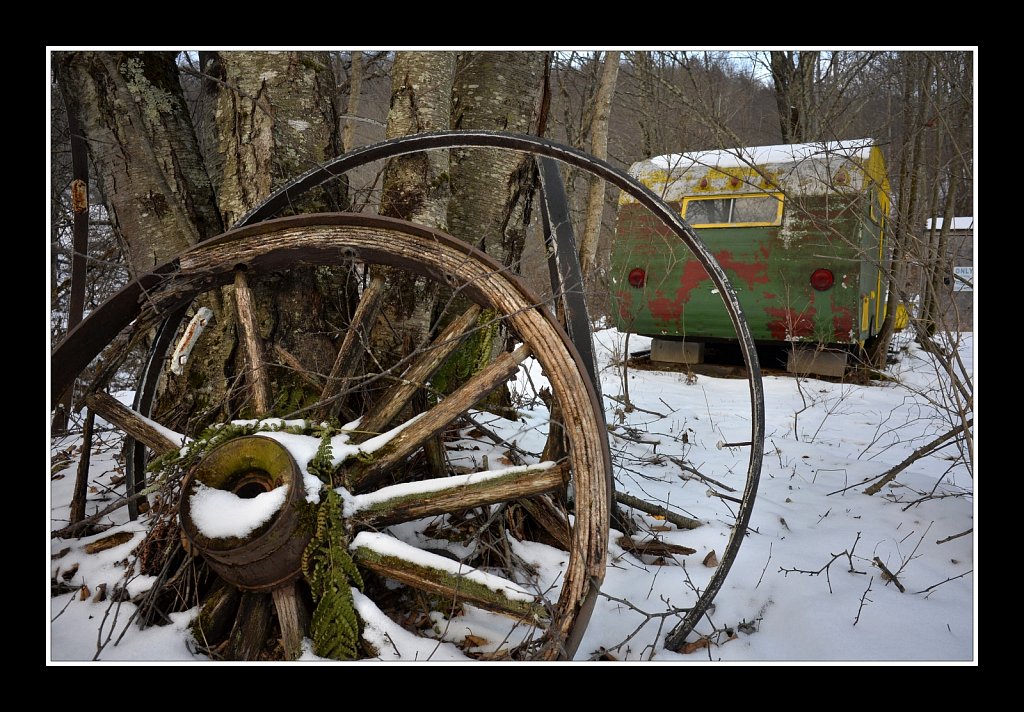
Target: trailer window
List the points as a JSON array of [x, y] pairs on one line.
[[733, 211]]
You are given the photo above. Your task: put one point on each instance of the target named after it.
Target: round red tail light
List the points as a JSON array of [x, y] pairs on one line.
[[822, 279], [637, 277]]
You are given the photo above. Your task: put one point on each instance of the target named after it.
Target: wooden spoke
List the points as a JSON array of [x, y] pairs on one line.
[[293, 617], [551, 518], [256, 372], [362, 474], [156, 437], [352, 345], [405, 502], [289, 360], [430, 359], [399, 561], [252, 623]]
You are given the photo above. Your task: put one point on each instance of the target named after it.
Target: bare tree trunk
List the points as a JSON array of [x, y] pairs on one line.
[[148, 167], [793, 74], [905, 220], [132, 112], [599, 149], [266, 118], [355, 88], [415, 187], [492, 191]]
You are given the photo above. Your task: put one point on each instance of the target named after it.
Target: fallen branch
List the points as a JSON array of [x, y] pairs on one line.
[[825, 569], [955, 536], [864, 598], [648, 617], [514, 451], [765, 565], [888, 575], [696, 475], [631, 407], [657, 510], [890, 475], [653, 547], [952, 578]]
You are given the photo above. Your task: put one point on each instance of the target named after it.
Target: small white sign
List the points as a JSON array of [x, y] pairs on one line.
[[963, 279]]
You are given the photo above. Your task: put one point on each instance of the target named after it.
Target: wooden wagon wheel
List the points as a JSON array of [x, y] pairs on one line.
[[86, 341], [378, 476]]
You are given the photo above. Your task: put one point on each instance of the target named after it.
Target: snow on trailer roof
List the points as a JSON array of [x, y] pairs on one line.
[[765, 155], [809, 169]]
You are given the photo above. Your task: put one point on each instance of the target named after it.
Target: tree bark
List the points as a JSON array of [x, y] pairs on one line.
[[132, 111], [355, 88], [598, 149], [266, 118], [492, 191], [793, 74], [415, 187]]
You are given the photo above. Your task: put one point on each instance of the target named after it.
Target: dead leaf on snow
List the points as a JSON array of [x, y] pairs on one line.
[[711, 560], [84, 593], [474, 641], [696, 645], [108, 542]]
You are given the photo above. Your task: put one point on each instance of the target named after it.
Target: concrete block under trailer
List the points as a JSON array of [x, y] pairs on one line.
[[799, 229]]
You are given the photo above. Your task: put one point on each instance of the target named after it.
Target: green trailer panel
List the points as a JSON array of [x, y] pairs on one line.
[[808, 273]]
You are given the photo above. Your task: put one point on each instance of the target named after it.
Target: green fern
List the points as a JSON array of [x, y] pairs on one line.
[[321, 465], [331, 573]]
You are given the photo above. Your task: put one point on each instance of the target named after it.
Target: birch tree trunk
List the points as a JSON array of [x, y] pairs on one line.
[[492, 190], [264, 117], [131, 109], [148, 166], [415, 187]]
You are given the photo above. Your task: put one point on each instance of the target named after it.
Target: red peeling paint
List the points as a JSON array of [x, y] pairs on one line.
[[842, 324], [751, 273], [693, 274], [788, 324], [664, 309]]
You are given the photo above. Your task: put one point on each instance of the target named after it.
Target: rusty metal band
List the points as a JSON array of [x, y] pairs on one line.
[[71, 365]]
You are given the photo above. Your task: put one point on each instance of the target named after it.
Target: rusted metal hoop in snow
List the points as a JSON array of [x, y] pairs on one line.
[[541, 147]]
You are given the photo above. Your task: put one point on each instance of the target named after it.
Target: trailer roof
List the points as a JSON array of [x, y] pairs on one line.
[[819, 168], [765, 155]]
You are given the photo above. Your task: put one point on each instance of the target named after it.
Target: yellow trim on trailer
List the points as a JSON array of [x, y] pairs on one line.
[[736, 196], [877, 174]]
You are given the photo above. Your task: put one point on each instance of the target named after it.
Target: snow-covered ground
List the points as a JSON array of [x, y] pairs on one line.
[[822, 437]]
